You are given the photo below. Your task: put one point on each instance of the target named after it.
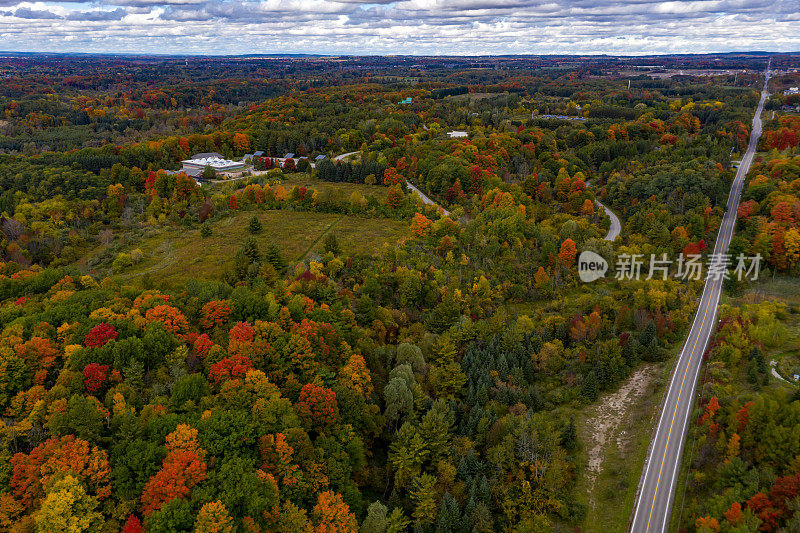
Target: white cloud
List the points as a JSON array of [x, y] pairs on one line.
[[464, 27]]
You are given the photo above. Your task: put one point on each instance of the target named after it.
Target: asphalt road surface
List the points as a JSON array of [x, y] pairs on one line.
[[615, 228], [656, 489], [422, 195], [425, 199], [342, 156]]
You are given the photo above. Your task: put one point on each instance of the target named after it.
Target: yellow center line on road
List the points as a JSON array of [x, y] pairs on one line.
[[726, 230], [675, 412]]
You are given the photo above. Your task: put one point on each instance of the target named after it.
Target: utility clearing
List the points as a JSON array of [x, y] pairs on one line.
[[615, 434]]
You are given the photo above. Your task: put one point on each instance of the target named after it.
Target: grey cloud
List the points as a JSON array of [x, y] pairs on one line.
[[17, 2], [153, 3], [254, 12], [28, 13], [116, 14]]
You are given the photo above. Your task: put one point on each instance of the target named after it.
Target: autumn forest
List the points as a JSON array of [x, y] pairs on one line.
[[378, 324]]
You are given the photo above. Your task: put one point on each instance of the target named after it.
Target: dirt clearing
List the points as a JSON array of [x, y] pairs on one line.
[[608, 422]]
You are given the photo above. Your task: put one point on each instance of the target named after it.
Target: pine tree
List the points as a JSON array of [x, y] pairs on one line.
[[397, 522], [449, 515], [569, 436], [272, 255], [445, 375], [241, 266], [255, 225], [423, 494], [375, 522], [331, 244], [647, 333], [757, 356], [590, 387], [250, 250]]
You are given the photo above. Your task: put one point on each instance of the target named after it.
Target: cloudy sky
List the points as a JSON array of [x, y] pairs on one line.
[[423, 27]]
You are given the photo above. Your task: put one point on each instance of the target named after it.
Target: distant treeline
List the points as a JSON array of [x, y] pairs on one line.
[[450, 91]]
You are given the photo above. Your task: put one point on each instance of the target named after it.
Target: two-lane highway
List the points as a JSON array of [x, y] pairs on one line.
[[654, 501]]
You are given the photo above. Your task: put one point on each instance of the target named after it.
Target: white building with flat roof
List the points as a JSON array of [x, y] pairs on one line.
[[217, 163], [455, 134]]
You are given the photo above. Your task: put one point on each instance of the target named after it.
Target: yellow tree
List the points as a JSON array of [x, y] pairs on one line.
[[355, 375], [423, 493], [184, 438], [68, 508], [214, 518], [280, 193], [791, 240]]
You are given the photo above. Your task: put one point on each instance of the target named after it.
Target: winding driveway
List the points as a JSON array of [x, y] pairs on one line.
[[425, 199], [422, 195], [342, 156], [615, 228]]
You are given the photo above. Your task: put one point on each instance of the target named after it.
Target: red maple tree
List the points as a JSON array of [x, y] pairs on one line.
[[100, 335], [182, 470], [317, 407], [95, 376]]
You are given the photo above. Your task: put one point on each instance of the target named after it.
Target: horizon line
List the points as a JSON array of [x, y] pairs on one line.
[[378, 55]]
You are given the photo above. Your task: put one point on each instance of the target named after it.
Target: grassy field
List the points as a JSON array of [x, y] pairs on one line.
[[345, 189], [780, 287], [173, 255], [302, 179], [786, 357], [472, 97]]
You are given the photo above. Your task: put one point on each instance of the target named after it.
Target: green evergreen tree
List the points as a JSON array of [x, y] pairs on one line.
[[647, 334], [365, 309], [376, 521], [449, 519], [569, 436], [250, 250], [273, 256], [331, 244], [397, 522], [255, 225], [590, 388]]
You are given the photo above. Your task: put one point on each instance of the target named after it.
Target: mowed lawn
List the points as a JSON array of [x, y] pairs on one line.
[[174, 255]]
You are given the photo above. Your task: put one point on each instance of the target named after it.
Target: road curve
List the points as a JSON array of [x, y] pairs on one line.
[[654, 501], [422, 195], [615, 228], [425, 199], [342, 156]]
